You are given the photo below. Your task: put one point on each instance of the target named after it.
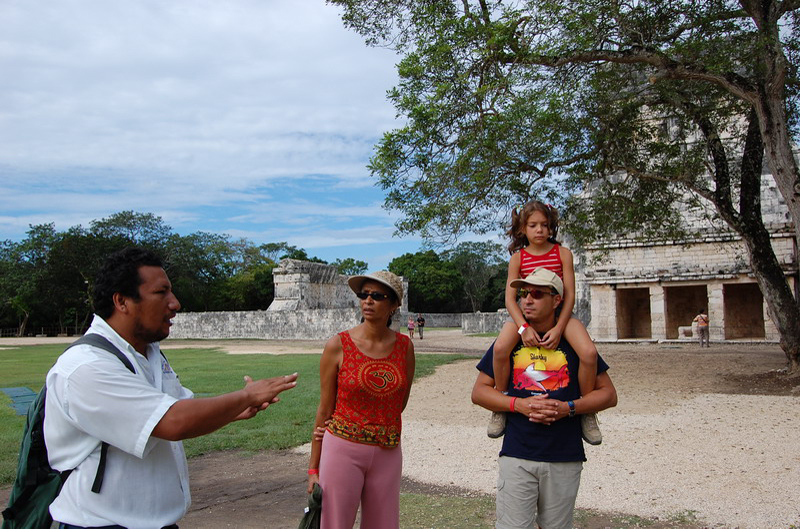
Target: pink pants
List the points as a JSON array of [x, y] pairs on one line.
[[352, 473]]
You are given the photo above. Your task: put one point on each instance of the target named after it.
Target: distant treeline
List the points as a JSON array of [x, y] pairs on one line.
[[46, 279]]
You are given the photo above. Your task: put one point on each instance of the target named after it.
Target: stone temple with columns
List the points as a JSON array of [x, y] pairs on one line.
[[652, 291]]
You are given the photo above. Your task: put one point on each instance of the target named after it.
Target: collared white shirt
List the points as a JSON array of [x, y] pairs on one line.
[[93, 397]]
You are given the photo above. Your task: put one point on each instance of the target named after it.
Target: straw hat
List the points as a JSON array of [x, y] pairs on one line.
[[383, 277]]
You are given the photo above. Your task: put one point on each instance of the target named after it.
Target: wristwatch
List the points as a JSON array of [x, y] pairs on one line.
[[571, 405]]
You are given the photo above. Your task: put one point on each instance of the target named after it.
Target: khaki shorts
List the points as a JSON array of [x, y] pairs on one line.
[[535, 492]]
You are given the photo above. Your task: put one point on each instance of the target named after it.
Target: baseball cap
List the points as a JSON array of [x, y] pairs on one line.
[[541, 277]]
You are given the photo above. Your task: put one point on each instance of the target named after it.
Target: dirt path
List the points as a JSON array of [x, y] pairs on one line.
[[709, 431]]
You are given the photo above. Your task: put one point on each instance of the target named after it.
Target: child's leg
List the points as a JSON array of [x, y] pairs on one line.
[[579, 339], [502, 370], [501, 365], [575, 333]]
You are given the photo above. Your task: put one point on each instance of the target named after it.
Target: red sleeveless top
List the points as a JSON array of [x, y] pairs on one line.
[[550, 260], [369, 396]]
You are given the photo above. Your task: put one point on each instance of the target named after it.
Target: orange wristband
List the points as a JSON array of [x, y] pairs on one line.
[[511, 405], [312, 471]]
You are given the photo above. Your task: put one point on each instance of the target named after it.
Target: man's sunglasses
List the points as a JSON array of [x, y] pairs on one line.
[[535, 294], [377, 296]]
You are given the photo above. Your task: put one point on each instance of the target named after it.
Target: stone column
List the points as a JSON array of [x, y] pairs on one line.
[[658, 321], [716, 311], [603, 325]]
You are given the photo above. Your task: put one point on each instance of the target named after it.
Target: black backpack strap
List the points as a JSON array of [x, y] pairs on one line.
[[101, 468], [99, 341]]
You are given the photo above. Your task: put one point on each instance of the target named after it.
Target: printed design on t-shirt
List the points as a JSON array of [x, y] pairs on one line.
[[540, 370], [380, 378]]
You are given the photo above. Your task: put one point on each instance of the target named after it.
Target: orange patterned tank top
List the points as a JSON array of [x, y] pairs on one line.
[[369, 396]]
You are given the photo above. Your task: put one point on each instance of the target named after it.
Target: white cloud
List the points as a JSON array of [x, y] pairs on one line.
[[187, 88], [213, 115]]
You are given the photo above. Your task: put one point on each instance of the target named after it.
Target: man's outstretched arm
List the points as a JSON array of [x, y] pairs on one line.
[[195, 417]]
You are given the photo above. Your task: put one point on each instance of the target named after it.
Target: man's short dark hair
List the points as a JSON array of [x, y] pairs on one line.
[[120, 273]]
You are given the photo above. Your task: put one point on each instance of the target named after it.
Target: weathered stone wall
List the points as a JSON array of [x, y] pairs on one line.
[[720, 261], [730, 319], [309, 324], [716, 256], [432, 319], [312, 302], [483, 322], [301, 285]]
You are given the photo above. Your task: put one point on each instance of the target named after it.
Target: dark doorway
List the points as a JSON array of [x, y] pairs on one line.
[[633, 313]]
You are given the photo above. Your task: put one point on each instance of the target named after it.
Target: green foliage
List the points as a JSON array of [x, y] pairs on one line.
[[625, 115], [143, 229], [350, 266], [301, 255], [435, 285], [207, 372], [468, 277], [549, 99], [479, 264], [46, 279]]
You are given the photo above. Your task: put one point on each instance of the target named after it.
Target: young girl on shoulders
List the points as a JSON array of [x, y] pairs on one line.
[[533, 245]]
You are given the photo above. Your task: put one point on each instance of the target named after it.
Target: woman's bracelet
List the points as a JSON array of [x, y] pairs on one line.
[[312, 471], [511, 405]]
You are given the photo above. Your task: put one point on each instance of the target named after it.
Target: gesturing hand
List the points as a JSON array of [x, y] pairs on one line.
[[265, 391]]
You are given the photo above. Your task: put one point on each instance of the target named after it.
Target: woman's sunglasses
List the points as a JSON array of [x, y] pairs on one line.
[[535, 294], [377, 296]]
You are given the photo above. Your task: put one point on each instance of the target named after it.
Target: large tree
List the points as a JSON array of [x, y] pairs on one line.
[[479, 264], [434, 284], [46, 280], [25, 274], [653, 106], [144, 229]]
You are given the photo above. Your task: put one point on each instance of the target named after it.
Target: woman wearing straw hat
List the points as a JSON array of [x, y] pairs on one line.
[[365, 380]]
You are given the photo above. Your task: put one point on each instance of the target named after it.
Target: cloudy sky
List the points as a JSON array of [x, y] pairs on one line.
[[254, 118]]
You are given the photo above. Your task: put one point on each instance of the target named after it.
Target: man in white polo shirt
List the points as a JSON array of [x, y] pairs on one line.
[[142, 416]]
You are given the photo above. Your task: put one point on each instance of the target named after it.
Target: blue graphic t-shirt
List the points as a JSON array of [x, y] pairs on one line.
[[535, 371]]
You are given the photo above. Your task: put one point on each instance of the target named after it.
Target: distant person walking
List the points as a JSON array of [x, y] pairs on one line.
[[411, 326], [420, 325], [702, 327]]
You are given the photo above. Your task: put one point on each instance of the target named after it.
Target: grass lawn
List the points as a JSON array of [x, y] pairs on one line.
[[207, 372]]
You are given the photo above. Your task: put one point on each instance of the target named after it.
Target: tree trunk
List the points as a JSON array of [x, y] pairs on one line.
[[781, 161], [771, 105], [22, 326], [782, 307]]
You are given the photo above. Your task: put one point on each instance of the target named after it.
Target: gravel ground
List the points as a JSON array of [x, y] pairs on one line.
[[687, 435]]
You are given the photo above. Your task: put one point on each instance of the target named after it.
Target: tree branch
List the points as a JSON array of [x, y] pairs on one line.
[[752, 160], [667, 68]]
